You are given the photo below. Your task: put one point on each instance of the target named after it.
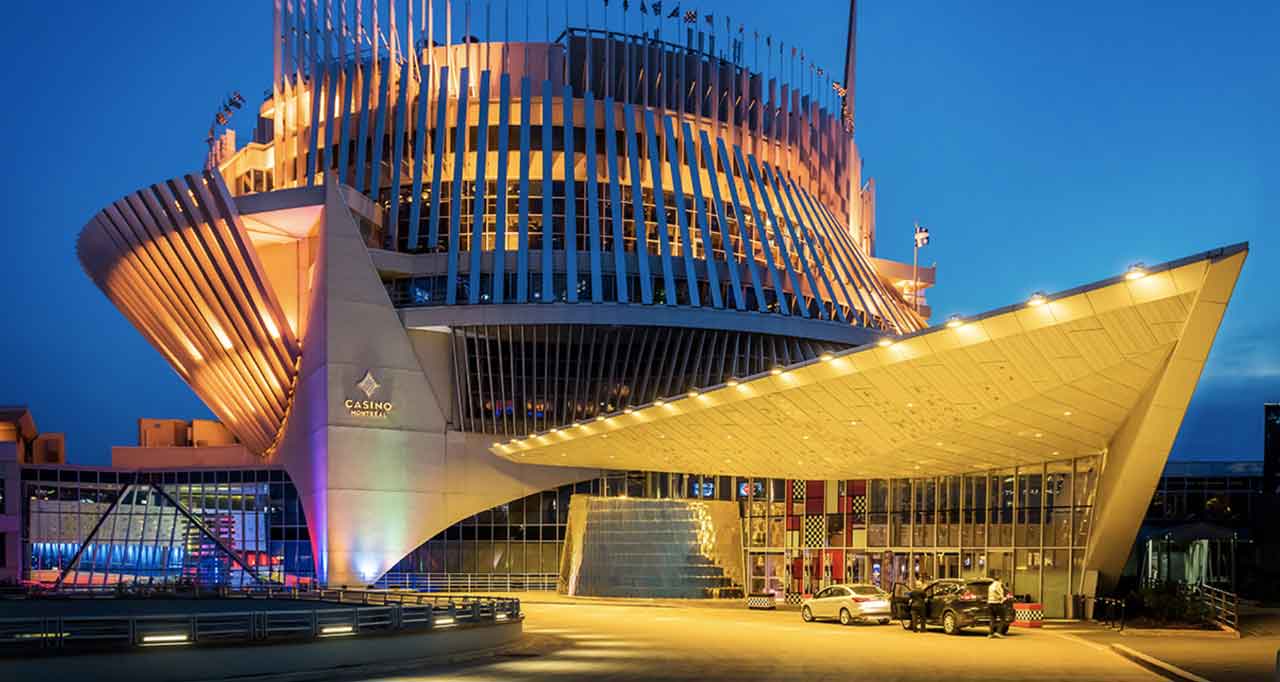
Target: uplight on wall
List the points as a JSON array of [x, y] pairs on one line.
[[1037, 299], [1135, 271]]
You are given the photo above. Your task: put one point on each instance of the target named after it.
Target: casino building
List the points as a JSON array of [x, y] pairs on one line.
[[452, 283]]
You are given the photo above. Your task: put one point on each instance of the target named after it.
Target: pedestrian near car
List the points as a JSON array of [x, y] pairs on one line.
[[995, 606], [916, 597]]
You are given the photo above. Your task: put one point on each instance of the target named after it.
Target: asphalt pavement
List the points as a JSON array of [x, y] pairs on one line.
[[611, 641]]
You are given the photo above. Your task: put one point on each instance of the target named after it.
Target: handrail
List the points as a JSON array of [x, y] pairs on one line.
[[1224, 606], [1109, 611], [369, 612], [471, 582]]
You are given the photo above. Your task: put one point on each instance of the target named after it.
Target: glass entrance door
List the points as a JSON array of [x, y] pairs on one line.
[[948, 565]]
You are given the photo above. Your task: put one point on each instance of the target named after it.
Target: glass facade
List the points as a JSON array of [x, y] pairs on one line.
[[205, 526], [1223, 493], [1027, 525]]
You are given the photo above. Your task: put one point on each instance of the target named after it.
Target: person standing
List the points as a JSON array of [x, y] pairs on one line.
[[917, 607], [995, 606]]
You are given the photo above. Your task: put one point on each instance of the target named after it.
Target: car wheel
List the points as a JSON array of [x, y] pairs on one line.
[[884, 621], [949, 624], [845, 617], [806, 614]]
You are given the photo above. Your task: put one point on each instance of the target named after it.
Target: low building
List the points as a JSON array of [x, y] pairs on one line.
[[21, 444]]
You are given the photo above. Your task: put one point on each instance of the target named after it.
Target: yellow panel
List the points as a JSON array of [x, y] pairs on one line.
[[1109, 298], [1153, 287], [1189, 278]]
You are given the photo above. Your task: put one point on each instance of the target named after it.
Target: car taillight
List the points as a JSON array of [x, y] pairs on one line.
[[968, 596], [859, 600]]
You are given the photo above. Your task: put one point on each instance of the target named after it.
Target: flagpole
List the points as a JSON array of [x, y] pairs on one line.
[[915, 270]]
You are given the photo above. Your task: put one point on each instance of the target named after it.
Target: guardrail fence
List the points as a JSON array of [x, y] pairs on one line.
[[370, 612], [471, 582]]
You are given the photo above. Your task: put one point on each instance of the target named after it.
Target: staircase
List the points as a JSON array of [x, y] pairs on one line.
[[632, 547]]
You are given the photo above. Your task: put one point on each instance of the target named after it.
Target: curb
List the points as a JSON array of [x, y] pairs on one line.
[[1166, 670]]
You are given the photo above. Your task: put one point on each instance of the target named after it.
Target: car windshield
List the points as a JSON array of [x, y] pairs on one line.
[[867, 590]]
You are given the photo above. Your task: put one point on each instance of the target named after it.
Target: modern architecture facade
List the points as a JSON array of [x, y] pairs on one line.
[[451, 282]]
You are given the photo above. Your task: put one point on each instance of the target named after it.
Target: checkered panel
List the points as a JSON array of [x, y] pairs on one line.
[[765, 601], [815, 531], [859, 505], [793, 598], [797, 491], [1028, 615]]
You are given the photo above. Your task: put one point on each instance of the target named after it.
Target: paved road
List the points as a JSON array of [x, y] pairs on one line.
[[1248, 659], [599, 641]]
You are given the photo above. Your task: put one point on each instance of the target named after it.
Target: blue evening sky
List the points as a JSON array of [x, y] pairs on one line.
[[1046, 145]]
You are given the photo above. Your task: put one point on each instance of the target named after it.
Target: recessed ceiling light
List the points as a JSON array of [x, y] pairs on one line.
[[826, 357], [776, 371], [1067, 413], [954, 322], [1037, 299], [884, 342], [659, 402], [1135, 271]]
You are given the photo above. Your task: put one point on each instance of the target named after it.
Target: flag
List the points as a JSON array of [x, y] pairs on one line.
[[922, 236], [674, 13], [711, 19], [768, 40], [691, 17], [643, 9], [742, 28], [626, 5]]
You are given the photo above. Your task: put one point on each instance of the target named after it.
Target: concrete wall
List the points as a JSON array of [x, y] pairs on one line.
[[377, 482], [222, 456]]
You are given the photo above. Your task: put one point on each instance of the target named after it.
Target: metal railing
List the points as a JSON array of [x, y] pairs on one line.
[[471, 582], [1109, 611], [1224, 606], [370, 612]]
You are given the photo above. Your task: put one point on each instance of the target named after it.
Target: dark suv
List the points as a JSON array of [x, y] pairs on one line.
[[953, 603]]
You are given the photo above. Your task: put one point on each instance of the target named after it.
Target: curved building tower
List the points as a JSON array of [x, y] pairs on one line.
[[440, 258]]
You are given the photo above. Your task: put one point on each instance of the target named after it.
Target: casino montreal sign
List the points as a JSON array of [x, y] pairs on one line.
[[368, 407], [378, 409]]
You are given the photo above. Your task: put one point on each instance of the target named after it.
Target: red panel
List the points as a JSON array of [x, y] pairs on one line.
[[813, 505], [858, 487], [837, 564], [814, 489], [793, 523]]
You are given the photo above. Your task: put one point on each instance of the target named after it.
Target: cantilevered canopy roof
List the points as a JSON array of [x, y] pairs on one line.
[[1029, 383]]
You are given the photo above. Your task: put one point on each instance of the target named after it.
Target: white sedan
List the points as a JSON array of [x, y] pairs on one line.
[[847, 604]]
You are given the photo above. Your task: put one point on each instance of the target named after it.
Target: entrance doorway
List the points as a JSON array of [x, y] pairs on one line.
[[948, 565]]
